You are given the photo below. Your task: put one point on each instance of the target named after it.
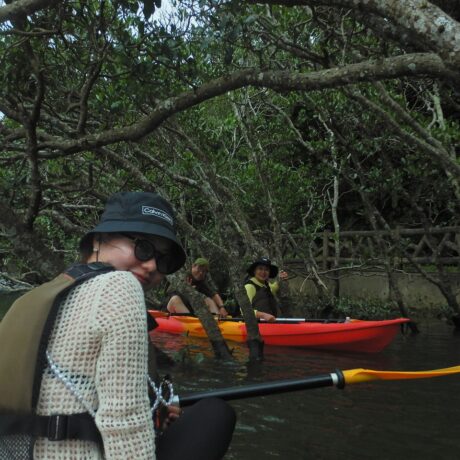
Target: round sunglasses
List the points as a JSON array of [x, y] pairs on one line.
[[145, 250]]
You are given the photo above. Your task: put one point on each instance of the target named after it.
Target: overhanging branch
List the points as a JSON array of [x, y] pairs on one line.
[[24, 8], [418, 64]]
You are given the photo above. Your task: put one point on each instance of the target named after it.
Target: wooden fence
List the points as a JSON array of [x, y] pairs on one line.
[[364, 247]]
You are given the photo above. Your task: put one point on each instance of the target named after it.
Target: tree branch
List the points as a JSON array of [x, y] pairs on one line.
[[23, 8], [407, 65], [428, 23], [449, 165]]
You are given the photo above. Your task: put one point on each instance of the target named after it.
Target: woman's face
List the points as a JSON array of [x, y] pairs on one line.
[[118, 251], [262, 273]]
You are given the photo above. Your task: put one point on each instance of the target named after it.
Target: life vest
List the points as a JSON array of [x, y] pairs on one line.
[[264, 300], [24, 335]]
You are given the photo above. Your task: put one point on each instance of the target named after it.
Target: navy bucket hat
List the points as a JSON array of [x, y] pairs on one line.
[[141, 212], [263, 261]]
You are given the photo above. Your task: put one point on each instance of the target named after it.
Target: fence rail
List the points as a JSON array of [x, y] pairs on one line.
[[436, 245]]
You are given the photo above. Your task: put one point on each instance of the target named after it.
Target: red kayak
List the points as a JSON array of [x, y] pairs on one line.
[[355, 335]]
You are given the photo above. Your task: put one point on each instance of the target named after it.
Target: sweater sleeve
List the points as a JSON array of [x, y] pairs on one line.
[[123, 415]]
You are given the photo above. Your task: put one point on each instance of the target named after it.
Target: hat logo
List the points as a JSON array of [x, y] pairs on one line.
[[151, 211]]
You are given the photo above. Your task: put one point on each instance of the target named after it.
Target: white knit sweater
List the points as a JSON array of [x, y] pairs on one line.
[[100, 342]]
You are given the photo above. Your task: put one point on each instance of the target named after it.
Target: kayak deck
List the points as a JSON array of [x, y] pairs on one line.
[[357, 335]]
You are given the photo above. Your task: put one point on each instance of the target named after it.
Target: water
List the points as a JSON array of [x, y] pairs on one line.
[[418, 419]]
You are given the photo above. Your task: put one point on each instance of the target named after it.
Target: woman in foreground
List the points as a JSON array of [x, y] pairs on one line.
[[97, 350]]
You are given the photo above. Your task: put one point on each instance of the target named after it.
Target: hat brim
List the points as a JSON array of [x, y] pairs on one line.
[[252, 268], [178, 256]]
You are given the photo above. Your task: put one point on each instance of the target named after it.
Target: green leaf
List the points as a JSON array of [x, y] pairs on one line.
[[251, 18], [115, 105]]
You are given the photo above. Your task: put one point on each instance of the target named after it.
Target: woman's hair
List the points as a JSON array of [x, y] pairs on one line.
[[86, 247], [87, 243]]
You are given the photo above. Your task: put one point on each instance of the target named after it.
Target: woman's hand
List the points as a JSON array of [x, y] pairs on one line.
[[222, 312], [266, 317], [283, 275], [174, 413]]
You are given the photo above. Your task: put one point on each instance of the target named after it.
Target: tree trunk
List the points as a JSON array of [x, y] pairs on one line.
[[220, 347], [395, 293], [284, 297], [442, 281], [254, 339], [372, 214]]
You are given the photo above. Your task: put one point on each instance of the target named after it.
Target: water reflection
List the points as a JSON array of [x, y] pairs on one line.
[[381, 420]]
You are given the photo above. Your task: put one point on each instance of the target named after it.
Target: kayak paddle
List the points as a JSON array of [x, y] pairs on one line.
[[337, 378], [164, 314], [293, 320]]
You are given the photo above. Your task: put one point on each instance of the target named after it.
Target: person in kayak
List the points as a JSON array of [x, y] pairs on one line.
[[261, 291], [98, 347], [177, 302]]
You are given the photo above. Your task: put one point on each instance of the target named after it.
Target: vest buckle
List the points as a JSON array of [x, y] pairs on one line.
[[57, 427]]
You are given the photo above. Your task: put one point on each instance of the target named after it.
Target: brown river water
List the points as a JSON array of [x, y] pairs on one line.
[[409, 419]]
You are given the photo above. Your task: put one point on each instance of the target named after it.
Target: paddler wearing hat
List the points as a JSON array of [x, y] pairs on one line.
[[261, 291], [98, 347]]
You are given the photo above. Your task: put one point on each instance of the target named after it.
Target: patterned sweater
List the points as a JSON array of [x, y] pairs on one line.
[[100, 343]]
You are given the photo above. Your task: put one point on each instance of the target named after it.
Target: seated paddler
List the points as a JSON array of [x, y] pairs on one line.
[[177, 302], [262, 288]]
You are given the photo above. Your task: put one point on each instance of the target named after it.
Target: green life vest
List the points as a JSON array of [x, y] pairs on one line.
[[24, 335], [264, 300]]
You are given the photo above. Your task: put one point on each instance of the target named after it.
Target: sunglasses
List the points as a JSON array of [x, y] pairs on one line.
[[145, 250]]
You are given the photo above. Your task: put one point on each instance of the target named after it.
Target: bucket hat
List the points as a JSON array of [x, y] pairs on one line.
[[141, 212], [263, 261]]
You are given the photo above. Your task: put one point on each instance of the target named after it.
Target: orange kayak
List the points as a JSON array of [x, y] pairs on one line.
[[356, 335]]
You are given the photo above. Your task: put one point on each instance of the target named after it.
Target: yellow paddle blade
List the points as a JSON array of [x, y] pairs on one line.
[[366, 375]]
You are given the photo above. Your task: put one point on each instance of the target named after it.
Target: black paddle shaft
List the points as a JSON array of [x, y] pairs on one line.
[[282, 321], [267, 388]]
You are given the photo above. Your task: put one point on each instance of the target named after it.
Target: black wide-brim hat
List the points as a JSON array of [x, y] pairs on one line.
[[141, 212], [263, 261]]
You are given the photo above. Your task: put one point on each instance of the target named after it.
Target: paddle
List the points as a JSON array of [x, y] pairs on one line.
[[337, 378], [164, 314], [292, 320]]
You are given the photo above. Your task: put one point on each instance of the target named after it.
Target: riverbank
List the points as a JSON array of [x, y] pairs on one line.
[[373, 287], [364, 296]]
